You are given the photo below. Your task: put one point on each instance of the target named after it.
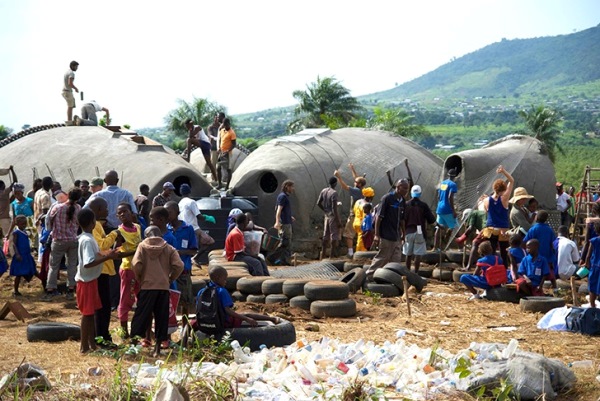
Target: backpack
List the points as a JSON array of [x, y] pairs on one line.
[[210, 318], [584, 321], [495, 274]]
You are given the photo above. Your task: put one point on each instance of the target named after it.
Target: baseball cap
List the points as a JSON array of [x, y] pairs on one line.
[[185, 189], [415, 191], [452, 172], [97, 181], [168, 185]]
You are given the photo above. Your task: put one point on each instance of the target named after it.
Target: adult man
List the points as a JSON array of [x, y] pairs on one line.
[[143, 203], [283, 223], [37, 184], [96, 185], [162, 198], [213, 134], [416, 217], [446, 213], [328, 203], [190, 214], [197, 137], [388, 227], [88, 114], [563, 203], [227, 140], [519, 215], [67, 92], [42, 199], [568, 254], [113, 195], [355, 193], [235, 248]]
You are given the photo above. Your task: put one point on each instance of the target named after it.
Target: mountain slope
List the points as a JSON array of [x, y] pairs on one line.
[[510, 67]]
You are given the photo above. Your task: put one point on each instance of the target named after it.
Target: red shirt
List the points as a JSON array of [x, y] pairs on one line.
[[234, 243]]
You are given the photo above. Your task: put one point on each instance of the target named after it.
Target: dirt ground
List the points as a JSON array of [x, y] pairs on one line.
[[441, 314]]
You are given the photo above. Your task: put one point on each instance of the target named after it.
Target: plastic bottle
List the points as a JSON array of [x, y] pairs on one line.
[[238, 354], [586, 364], [510, 349]]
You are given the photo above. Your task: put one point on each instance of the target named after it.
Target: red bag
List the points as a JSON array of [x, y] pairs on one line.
[[6, 247], [495, 274]]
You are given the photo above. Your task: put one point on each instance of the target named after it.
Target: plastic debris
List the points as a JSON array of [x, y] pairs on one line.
[[27, 377], [321, 370]]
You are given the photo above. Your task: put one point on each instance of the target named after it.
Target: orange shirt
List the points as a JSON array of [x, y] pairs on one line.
[[227, 138]]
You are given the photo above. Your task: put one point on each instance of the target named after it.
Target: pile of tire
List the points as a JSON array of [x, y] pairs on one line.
[[293, 289], [388, 281], [249, 289], [329, 298], [273, 291], [445, 272]]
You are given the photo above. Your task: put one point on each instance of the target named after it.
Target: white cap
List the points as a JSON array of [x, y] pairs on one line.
[[415, 191]]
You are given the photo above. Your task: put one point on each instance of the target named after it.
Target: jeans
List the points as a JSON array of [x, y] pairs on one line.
[[60, 249]]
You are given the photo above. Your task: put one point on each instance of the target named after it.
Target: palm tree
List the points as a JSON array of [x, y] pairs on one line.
[[200, 110], [325, 102], [542, 123], [397, 121]]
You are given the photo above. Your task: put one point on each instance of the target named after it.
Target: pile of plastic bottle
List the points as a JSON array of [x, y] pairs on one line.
[[324, 369]]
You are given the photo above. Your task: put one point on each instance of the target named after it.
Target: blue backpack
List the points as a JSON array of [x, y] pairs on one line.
[[584, 321]]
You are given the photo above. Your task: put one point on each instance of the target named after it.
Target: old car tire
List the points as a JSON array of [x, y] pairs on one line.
[[277, 335], [413, 278], [351, 265], [333, 308], [354, 278], [301, 302], [273, 286], [363, 255], [441, 274], [293, 287], [457, 274], [540, 304], [502, 294], [197, 285], [388, 276], [256, 298], [252, 284], [386, 290], [276, 299], [324, 290], [239, 296], [53, 332]]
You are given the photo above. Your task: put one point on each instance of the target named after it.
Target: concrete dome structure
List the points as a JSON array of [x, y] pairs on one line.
[[310, 157], [198, 162], [137, 159], [523, 156]]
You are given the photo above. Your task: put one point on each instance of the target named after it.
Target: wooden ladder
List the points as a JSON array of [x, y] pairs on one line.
[[584, 201]]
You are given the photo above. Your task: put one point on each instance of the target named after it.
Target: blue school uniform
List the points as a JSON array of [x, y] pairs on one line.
[[545, 235], [3, 263], [517, 254], [534, 269], [479, 281], [26, 266], [594, 276]]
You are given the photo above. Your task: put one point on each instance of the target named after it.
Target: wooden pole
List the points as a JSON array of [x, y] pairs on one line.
[[405, 282], [574, 292]]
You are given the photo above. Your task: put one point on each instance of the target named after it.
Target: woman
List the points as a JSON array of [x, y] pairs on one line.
[[22, 205], [496, 206], [359, 214]]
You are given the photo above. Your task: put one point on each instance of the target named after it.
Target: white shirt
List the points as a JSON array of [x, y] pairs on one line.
[[561, 201], [188, 210], [568, 257], [87, 251], [96, 106], [202, 135]]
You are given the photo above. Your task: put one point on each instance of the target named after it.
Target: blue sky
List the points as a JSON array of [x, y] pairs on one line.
[[138, 57]]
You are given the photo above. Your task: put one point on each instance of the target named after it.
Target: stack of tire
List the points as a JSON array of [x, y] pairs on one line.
[[293, 289], [235, 270], [329, 298], [273, 291], [388, 281], [249, 289]]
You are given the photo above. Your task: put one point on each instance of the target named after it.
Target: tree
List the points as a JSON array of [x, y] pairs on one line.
[[5, 131], [397, 121], [200, 110], [542, 124], [325, 102]]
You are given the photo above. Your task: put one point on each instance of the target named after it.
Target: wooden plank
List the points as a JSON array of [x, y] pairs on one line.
[[16, 308]]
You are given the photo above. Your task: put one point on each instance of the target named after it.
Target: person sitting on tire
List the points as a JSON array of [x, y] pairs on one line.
[[477, 279], [533, 271], [235, 248], [218, 279]]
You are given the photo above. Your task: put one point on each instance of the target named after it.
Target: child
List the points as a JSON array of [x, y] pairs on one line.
[[3, 263], [89, 268], [368, 232], [22, 264], [593, 261], [159, 217], [478, 278], [187, 246], [235, 249], [132, 234], [532, 208], [516, 253], [545, 236], [218, 279], [155, 264], [533, 271]]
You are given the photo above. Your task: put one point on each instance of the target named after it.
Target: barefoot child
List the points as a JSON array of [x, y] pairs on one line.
[[132, 233], [155, 264], [88, 270], [593, 261], [22, 264]]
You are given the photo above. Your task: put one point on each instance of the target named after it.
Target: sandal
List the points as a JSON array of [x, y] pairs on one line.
[[146, 343]]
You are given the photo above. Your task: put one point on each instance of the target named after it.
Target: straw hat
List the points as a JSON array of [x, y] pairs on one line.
[[520, 193]]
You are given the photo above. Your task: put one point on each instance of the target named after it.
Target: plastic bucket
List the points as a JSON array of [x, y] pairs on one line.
[[271, 240], [583, 272]]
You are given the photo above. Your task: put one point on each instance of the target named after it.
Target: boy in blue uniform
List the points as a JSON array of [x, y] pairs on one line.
[[187, 246], [533, 270], [545, 236]]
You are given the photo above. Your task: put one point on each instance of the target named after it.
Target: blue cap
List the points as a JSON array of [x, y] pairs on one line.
[[185, 189]]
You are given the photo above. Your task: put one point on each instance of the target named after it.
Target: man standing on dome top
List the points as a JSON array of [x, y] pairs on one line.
[[446, 213], [67, 92]]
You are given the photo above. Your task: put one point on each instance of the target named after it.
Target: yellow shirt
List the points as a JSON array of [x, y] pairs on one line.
[[227, 138], [359, 213], [132, 239], [105, 242]]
